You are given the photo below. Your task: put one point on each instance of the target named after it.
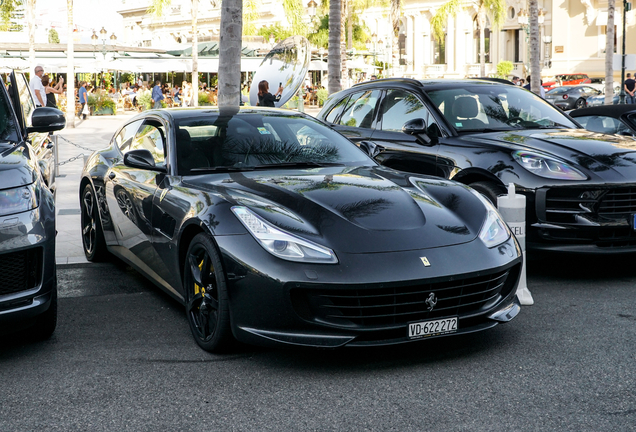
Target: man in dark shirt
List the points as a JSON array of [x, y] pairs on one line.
[[83, 98], [157, 95], [630, 85]]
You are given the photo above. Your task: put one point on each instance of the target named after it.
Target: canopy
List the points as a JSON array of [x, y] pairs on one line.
[[317, 65]]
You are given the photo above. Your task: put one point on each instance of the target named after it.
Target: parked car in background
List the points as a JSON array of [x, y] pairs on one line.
[[570, 97], [608, 119], [598, 100], [487, 135], [566, 80], [28, 284], [271, 228]]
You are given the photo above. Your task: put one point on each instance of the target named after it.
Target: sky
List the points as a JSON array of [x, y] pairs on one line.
[[87, 15]]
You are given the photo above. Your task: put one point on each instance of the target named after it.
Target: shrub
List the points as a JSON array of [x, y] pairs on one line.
[[322, 95], [504, 68]]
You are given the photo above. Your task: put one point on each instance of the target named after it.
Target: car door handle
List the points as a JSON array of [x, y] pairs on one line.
[[112, 175]]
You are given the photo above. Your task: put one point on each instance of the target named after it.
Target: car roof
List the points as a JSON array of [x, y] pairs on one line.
[[189, 113], [606, 110], [428, 83]]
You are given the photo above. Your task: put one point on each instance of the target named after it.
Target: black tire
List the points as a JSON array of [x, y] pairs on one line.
[[92, 233], [581, 103], [489, 189], [207, 306], [45, 323]]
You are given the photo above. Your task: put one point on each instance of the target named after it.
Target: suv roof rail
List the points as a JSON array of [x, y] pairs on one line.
[[399, 79]]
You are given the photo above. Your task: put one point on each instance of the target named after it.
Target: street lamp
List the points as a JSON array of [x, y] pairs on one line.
[[626, 8], [311, 9]]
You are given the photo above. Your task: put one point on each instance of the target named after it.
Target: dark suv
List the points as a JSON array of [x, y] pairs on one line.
[[580, 186], [28, 285]]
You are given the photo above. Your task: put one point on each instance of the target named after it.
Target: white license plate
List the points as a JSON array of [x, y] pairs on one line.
[[432, 328]]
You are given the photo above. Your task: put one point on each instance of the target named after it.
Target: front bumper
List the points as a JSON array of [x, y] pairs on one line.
[[591, 218], [27, 265], [274, 302]]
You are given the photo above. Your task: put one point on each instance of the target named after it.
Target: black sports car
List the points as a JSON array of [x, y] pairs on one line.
[[28, 286], [608, 119], [271, 228], [580, 186], [571, 97]]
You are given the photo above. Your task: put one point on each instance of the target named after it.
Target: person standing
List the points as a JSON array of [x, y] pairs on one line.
[[37, 88], [51, 91], [630, 89], [157, 95], [265, 98], [83, 98], [185, 94]]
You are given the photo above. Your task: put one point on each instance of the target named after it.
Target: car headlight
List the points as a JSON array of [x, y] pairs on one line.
[[494, 231], [18, 200], [282, 244], [546, 166]]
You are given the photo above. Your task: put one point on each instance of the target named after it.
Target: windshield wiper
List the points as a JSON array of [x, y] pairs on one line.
[[222, 169], [297, 165]]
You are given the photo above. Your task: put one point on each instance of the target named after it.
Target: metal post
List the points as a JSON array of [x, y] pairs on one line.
[[56, 155], [301, 107], [621, 98]]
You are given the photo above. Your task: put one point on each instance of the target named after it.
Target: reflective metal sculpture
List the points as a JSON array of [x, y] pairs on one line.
[[286, 64]]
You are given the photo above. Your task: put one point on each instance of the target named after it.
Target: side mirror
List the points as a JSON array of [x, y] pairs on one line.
[[417, 127], [46, 119], [140, 158]]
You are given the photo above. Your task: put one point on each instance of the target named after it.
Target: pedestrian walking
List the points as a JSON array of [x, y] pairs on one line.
[[83, 99], [265, 98], [630, 89], [37, 88], [157, 95]]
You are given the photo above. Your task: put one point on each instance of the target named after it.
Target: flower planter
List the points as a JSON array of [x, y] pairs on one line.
[[104, 111]]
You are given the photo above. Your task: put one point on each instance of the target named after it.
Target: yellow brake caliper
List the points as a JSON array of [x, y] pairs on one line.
[[197, 288]]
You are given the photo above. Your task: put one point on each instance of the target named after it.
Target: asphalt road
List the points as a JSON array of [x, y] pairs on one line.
[[122, 359]]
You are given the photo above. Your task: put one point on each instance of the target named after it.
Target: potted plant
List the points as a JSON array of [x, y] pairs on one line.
[[101, 104]]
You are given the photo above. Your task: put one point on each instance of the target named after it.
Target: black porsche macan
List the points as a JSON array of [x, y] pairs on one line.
[[580, 186], [273, 229]]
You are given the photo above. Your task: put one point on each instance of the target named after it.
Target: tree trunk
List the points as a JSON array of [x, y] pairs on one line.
[[609, 53], [535, 53], [230, 53], [481, 21], [344, 76], [70, 69], [334, 60], [195, 55], [349, 25], [396, 6], [31, 20]]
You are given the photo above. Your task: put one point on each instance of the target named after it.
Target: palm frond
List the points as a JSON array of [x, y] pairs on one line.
[[438, 22], [158, 7]]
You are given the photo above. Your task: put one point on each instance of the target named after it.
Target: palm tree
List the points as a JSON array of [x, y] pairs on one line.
[[396, 9], [495, 8], [230, 53], [535, 54], [335, 52], [609, 53], [31, 20], [70, 69]]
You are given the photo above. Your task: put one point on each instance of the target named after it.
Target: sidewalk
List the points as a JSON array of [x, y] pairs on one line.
[[94, 133]]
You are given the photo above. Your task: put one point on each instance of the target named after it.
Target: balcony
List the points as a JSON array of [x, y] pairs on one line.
[[434, 71]]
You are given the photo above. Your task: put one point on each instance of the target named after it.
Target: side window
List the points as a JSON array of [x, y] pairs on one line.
[[125, 136], [602, 124], [26, 101], [151, 137], [337, 109], [399, 107], [360, 109]]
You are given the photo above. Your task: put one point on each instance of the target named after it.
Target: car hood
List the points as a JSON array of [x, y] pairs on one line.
[[612, 156], [358, 210], [16, 167]]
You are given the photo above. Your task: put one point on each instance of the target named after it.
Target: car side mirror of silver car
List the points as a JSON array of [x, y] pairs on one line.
[[140, 158], [417, 128], [46, 119]]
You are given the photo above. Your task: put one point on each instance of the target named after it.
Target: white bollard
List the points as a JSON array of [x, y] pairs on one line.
[[513, 210]]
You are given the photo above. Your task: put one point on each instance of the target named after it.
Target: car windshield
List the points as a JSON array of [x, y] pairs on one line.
[[255, 141], [473, 108]]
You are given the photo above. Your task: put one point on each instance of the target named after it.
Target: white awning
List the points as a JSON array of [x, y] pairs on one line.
[[317, 65]]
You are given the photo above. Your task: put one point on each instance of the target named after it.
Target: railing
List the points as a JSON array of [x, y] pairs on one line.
[[434, 71], [474, 70]]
